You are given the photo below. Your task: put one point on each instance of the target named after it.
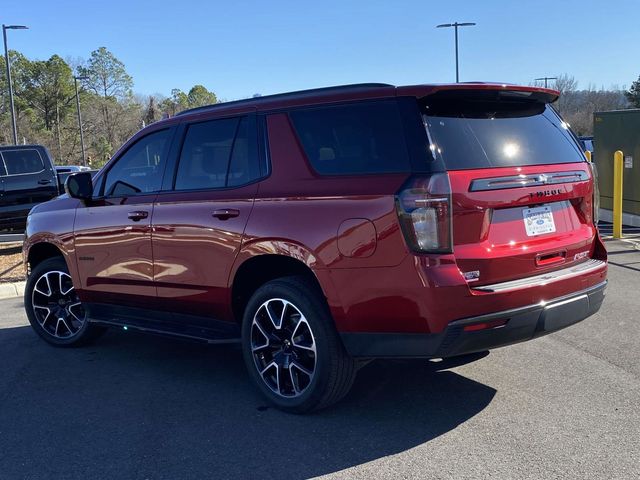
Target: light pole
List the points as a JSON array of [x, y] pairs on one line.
[[545, 80], [455, 25], [75, 82], [6, 61]]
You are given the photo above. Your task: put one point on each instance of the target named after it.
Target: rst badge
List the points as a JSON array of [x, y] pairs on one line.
[[581, 255]]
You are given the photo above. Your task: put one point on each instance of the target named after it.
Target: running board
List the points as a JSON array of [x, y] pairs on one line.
[[543, 279], [198, 334], [163, 323]]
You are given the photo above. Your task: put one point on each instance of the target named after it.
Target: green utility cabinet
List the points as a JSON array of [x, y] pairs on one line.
[[618, 130]]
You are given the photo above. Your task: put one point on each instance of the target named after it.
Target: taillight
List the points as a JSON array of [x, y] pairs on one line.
[[588, 207], [596, 192], [424, 210]]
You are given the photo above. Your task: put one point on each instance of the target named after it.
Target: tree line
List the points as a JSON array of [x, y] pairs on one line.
[[45, 104], [46, 113], [577, 105]]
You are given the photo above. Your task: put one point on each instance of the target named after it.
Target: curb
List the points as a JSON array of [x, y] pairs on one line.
[[11, 290]]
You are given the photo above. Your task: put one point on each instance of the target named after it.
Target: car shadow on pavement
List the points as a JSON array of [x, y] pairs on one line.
[[133, 406]]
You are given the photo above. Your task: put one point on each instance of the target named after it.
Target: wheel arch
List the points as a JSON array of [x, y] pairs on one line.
[[254, 271], [41, 251]]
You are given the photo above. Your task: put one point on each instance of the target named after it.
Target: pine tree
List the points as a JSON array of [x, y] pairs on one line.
[[633, 94]]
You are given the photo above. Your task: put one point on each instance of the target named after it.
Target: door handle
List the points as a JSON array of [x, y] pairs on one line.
[[44, 181], [226, 213], [137, 215]]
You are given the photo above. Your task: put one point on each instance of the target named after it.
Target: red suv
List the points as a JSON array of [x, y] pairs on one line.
[[327, 227]]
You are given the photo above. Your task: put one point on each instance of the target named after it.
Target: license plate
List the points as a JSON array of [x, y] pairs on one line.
[[538, 221]]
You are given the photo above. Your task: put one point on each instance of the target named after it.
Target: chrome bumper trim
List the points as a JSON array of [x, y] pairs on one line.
[[543, 279]]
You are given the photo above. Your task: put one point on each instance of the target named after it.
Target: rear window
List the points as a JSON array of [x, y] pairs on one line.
[[472, 133], [22, 161], [358, 138]]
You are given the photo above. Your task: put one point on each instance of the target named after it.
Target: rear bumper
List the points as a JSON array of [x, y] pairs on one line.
[[524, 323]]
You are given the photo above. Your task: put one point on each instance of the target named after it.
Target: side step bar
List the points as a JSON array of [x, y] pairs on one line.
[[543, 279]]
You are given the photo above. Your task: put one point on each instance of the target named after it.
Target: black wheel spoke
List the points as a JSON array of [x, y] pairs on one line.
[[283, 347], [56, 306]]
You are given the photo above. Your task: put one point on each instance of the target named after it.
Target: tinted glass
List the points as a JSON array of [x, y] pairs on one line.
[[486, 134], [216, 154], [141, 167], [22, 161], [353, 139], [243, 167]]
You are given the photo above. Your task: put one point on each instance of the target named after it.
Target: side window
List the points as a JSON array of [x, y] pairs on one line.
[[22, 161], [140, 168], [3, 171], [217, 154], [243, 167], [357, 138]]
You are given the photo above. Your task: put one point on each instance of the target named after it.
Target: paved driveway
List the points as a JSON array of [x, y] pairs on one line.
[[564, 406]]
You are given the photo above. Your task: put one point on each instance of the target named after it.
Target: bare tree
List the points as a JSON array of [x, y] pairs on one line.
[[578, 106]]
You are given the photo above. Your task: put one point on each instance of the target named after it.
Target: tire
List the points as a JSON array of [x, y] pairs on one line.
[[53, 308], [297, 359]]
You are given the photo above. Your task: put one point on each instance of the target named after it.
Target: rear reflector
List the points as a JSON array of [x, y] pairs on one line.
[[485, 325]]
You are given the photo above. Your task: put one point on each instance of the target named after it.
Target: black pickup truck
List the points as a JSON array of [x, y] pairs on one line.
[[27, 177]]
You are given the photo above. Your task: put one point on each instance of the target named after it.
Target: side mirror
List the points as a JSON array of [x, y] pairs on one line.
[[79, 185]]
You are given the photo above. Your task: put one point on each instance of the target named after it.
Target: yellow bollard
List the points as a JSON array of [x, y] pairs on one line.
[[618, 160], [587, 154]]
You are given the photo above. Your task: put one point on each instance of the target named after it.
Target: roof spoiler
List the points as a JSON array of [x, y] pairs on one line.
[[495, 90]]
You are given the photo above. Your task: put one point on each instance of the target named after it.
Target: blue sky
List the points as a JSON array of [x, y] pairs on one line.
[[239, 48]]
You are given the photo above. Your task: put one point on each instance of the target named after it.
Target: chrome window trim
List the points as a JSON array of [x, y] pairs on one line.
[[21, 150]]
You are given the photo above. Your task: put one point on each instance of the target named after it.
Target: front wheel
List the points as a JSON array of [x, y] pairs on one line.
[[291, 348], [53, 307]]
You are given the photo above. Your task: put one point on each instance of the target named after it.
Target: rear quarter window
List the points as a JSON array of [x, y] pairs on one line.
[[22, 161], [356, 138]]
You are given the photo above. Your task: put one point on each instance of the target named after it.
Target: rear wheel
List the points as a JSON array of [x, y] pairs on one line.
[[291, 348], [53, 307]]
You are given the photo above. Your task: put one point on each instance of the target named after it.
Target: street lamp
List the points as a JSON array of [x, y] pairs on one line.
[[545, 80], [6, 61], [455, 25], [75, 82]]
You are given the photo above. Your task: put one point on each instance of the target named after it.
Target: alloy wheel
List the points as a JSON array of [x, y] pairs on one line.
[[283, 347], [56, 306]]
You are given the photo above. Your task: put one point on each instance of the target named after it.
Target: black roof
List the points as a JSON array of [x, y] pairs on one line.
[[287, 95]]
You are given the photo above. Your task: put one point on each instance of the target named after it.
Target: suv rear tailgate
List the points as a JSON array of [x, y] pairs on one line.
[[521, 188], [496, 212]]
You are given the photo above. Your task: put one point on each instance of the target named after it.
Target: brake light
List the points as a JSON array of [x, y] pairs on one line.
[[588, 207], [596, 192], [424, 211], [584, 208]]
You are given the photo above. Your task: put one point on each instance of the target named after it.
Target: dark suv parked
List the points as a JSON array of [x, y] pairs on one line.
[[324, 228], [27, 177]]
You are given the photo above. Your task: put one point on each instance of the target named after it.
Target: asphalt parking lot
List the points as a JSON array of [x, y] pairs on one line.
[[136, 407]]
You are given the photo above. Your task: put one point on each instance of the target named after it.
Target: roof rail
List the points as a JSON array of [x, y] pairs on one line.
[[299, 93]]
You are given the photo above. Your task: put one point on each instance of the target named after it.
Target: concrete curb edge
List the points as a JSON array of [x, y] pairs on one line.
[[11, 289]]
